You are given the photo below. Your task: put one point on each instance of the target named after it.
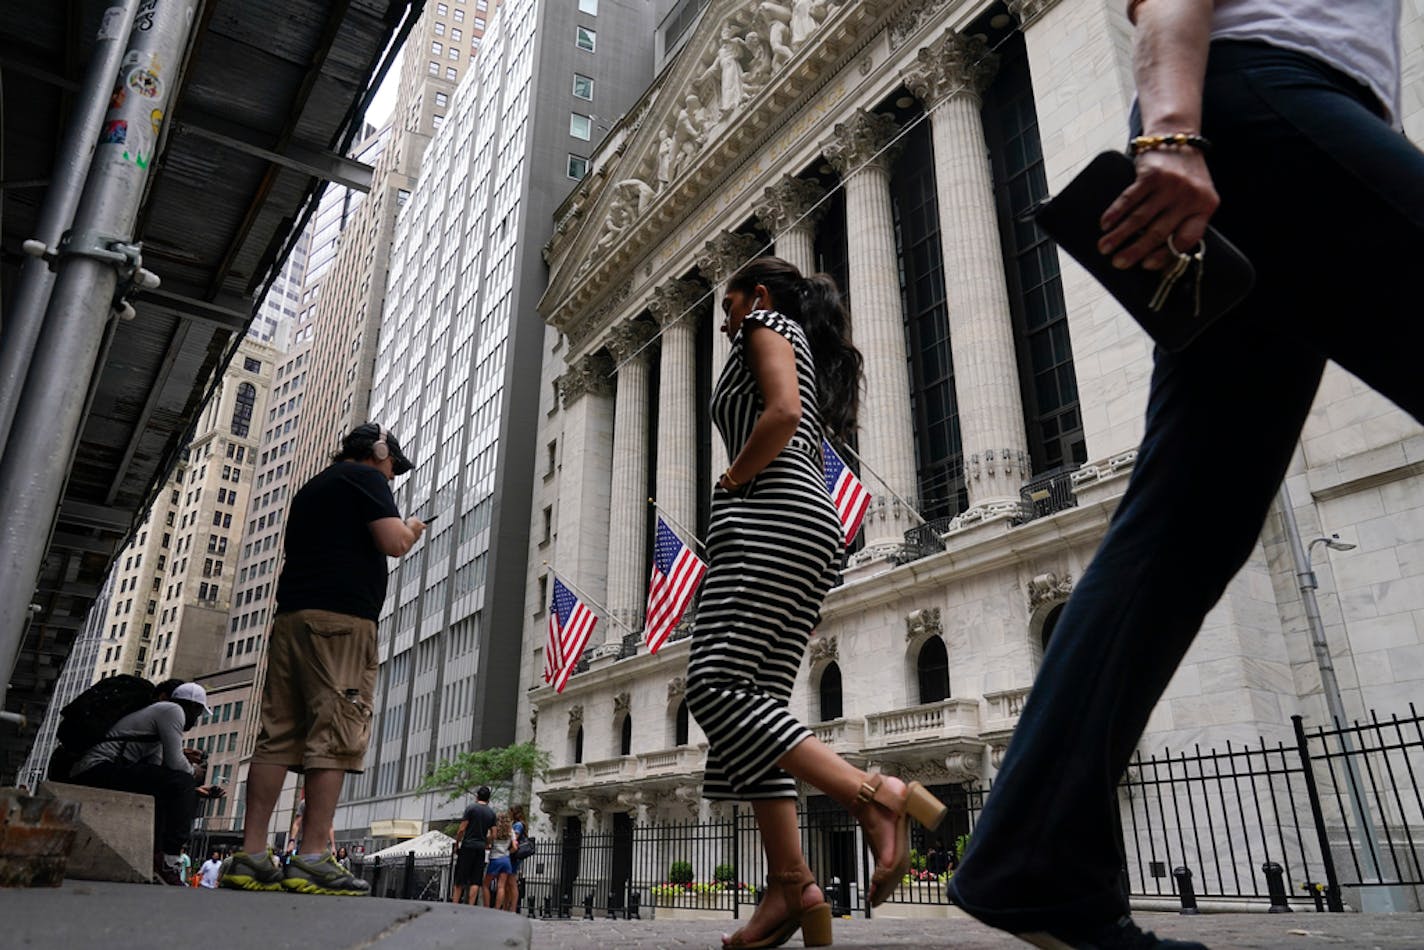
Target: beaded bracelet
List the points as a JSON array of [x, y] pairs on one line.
[[1150, 143]]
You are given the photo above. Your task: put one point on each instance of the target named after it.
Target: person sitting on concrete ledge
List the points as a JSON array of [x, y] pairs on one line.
[[143, 753]]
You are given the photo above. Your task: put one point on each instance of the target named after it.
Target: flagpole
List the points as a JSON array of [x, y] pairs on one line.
[[888, 490], [602, 609], [676, 524]]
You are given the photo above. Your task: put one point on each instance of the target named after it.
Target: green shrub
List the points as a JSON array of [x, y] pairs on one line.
[[961, 845], [917, 860], [680, 872], [724, 874]]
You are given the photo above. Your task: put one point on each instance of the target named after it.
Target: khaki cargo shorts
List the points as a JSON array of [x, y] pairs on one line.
[[318, 699]]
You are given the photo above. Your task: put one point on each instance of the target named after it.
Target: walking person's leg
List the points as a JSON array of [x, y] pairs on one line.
[[1238, 396]]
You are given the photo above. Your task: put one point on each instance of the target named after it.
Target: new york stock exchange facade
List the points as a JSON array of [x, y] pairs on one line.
[[896, 146]]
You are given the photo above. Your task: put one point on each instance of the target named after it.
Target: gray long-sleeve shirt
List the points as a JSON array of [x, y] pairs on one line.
[[159, 727]]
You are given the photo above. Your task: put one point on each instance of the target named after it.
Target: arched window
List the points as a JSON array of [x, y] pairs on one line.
[[933, 670], [576, 745], [679, 727], [1049, 623], [625, 736], [242, 409], [831, 692]]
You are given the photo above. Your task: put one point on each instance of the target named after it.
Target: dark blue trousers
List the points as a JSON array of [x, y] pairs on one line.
[[1328, 202]]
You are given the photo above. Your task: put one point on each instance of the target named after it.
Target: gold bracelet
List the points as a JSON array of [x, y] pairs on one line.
[[1151, 143], [727, 477]]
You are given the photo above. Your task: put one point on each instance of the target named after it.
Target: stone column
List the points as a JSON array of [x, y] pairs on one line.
[[719, 260], [581, 551], [783, 212], [676, 477], [948, 76], [628, 507], [887, 440]]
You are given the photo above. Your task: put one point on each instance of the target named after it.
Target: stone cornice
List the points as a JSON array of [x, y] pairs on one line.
[[860, 142], [953, 65], [582, 272], [784, 203]]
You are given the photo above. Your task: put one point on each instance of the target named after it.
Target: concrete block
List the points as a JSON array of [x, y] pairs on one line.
[[115, 834]]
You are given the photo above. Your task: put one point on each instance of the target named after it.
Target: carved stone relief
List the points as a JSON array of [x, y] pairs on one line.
[[824, 648], [924, 622], [1028, 11], [575, 715], [677, 686], [628, 338], [862, 139], [721, 256], [622, 702], [953, 65], [1047, 588], [593, 374], [673, 299], [784, 203]]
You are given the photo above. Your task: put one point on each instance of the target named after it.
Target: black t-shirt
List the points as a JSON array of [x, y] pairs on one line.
[[481, 819], [332, 559]]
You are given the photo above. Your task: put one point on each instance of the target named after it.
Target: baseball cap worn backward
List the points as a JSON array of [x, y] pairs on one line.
[[366, 435], [193, 693]]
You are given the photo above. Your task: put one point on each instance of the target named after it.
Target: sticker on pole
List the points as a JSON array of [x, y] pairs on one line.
[[111, 27]]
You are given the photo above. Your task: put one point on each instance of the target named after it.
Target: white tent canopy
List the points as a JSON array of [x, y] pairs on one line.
[[430, 844]]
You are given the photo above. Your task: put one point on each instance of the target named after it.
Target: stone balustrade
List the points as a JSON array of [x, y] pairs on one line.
[[1001, 711], [946, 719]]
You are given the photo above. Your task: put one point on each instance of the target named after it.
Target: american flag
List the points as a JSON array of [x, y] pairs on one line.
[[848, 492], [676, 574], [570, 624]]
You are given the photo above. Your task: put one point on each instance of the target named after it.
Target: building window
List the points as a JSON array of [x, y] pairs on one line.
[[436, 121], [459, 16], [588, 6], [576, 746], [1047, 378], [625, 736], [585, 38], [450, 72], [454, 53], [580, 126], [434, 69], [251, 365], [440, 29], [456, 36], [938, 449], [679, 726], [442, 10], [480, 23], [577, 168], [436, 48], [830, 692], [583, 87], [932, 670], [242, 410]]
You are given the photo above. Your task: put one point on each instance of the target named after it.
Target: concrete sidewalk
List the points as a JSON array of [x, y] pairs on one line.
[[82, 916], [1217, 931], [86, 915]]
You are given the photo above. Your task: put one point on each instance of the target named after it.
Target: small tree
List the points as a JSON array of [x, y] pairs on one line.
[[680, 872], [497, 768]]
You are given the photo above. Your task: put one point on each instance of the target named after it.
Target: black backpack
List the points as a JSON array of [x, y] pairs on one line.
[[89, 718]]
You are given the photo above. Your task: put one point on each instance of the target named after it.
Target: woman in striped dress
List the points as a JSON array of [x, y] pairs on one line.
[[775, 542]]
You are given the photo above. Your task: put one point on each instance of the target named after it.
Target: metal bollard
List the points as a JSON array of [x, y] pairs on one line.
[[588, 906], [1317, 894], [1185, 891], [1276, 885]]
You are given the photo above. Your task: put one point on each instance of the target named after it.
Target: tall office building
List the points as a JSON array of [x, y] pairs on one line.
[[277, 316], [351, 295], [457, 377], [172, 584]]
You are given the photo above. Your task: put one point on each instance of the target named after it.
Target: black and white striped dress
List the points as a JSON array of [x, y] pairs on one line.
[[774, 547]]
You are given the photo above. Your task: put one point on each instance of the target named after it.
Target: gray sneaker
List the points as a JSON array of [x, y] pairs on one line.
[[249, 872], [323, 876]]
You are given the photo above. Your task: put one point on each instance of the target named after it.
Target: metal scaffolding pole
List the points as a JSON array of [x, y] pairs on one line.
[[71, 166], [92, 260]]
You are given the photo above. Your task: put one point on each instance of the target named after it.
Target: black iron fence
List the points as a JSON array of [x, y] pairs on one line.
[[1315, 819]]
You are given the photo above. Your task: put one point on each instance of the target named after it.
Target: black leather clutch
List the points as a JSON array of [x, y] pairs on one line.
[[1173, 310]]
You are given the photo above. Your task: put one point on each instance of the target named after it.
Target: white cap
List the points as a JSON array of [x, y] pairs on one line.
[[193, 693]]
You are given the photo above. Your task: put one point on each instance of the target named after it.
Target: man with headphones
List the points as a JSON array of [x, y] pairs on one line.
[[317, 701]]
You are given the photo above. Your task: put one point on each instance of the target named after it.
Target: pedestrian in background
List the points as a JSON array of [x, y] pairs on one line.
[[208, 873], [1279, 123], [318, 696], [470, 842]]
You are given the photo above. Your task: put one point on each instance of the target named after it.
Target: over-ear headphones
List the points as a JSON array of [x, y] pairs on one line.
[[380, 451]]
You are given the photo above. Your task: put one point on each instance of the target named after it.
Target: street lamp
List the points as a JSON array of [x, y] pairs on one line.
[[1375, 898]]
